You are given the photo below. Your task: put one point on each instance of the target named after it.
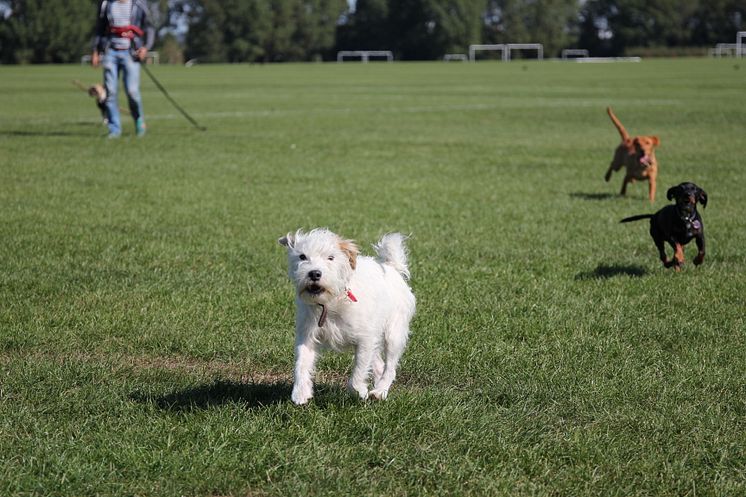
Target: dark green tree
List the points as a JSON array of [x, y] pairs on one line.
[[505, 22], [314, 36], [553, 23], [717, 21], [413, 29], [638, 23], [207, 38], [427, 29], [44, 31], [367, 28], [610, 27], [593, 30], [262, 30]]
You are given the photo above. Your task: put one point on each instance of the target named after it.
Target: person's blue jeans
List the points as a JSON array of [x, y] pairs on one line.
[[114, 62]]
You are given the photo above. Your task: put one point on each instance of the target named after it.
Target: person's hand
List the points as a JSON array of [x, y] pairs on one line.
[[141, 53], [95, 59]]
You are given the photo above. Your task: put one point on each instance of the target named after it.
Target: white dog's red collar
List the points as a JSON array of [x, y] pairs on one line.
[[322, 318]]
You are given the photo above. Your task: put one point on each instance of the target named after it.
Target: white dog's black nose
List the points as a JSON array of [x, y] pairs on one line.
[[314, 275]]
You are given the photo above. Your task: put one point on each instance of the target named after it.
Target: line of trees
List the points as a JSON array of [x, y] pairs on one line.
[[262, 30], [43, 31]]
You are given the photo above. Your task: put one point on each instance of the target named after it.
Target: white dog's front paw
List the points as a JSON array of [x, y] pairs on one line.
[[361, 390], [379, 394], [301, 394]]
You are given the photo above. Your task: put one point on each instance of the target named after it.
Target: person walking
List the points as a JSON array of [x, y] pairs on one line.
[[124, 34]]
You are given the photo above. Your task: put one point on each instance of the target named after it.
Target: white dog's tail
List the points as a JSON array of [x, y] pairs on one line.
[[391, 251]]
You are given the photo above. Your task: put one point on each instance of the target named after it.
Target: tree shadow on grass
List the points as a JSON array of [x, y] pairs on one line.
[[605, 271], [593, 196], [220, 392]]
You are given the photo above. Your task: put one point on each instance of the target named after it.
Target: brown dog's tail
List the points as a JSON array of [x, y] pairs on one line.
[[636, 218], [618, 124], [80, 85]]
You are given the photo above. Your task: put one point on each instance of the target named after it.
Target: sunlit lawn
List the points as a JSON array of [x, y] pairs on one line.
[[146, 320]]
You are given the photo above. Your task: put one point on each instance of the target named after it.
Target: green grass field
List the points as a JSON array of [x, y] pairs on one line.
[[146, 320]]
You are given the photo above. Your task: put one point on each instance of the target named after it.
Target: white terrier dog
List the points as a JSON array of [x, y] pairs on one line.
[[348, 301]]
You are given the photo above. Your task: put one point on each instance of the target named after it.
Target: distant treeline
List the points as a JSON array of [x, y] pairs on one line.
[[39, 31]]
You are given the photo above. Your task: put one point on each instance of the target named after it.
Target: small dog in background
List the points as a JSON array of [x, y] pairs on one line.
[[347, 301], [637, 156], [98, 92], [678, 224]]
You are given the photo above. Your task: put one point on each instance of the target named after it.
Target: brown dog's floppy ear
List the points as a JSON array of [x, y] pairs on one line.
[[656, 140], [287, 240], [350, 250], [671, 193], [702, 197]]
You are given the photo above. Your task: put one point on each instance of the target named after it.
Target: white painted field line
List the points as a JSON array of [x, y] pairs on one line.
[[517, 104], [569, 102]]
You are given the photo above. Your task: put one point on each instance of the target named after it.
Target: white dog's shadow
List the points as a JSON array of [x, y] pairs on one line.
[[250, 395], [220, 392]]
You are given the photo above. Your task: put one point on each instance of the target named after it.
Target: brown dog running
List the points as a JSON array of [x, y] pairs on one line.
[[637, 155], [98, 92], [678, 224]]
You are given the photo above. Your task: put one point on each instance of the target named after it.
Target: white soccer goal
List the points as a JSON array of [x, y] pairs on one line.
[[604, 60], [365, 55], [739, 43], [568, 53], [506, 49], [726, 49], [473, 49], [526, 46]]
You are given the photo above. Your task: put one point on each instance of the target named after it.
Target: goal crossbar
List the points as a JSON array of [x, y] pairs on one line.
[[724, 49], [506, 48], [473, 49], [574, 52], [365, 55], [526, 46]]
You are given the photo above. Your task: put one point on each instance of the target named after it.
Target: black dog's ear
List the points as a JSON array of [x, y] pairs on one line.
[[702, 197], [672, 192]]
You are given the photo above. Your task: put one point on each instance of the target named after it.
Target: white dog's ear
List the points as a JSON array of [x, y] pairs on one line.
[[350, 250], [287, 240]]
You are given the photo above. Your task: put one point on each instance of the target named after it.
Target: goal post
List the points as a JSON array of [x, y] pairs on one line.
[[473, 49], [505, 49], [726, 49], [740, 36], [365, 55], [568, 53], [526, 46]]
